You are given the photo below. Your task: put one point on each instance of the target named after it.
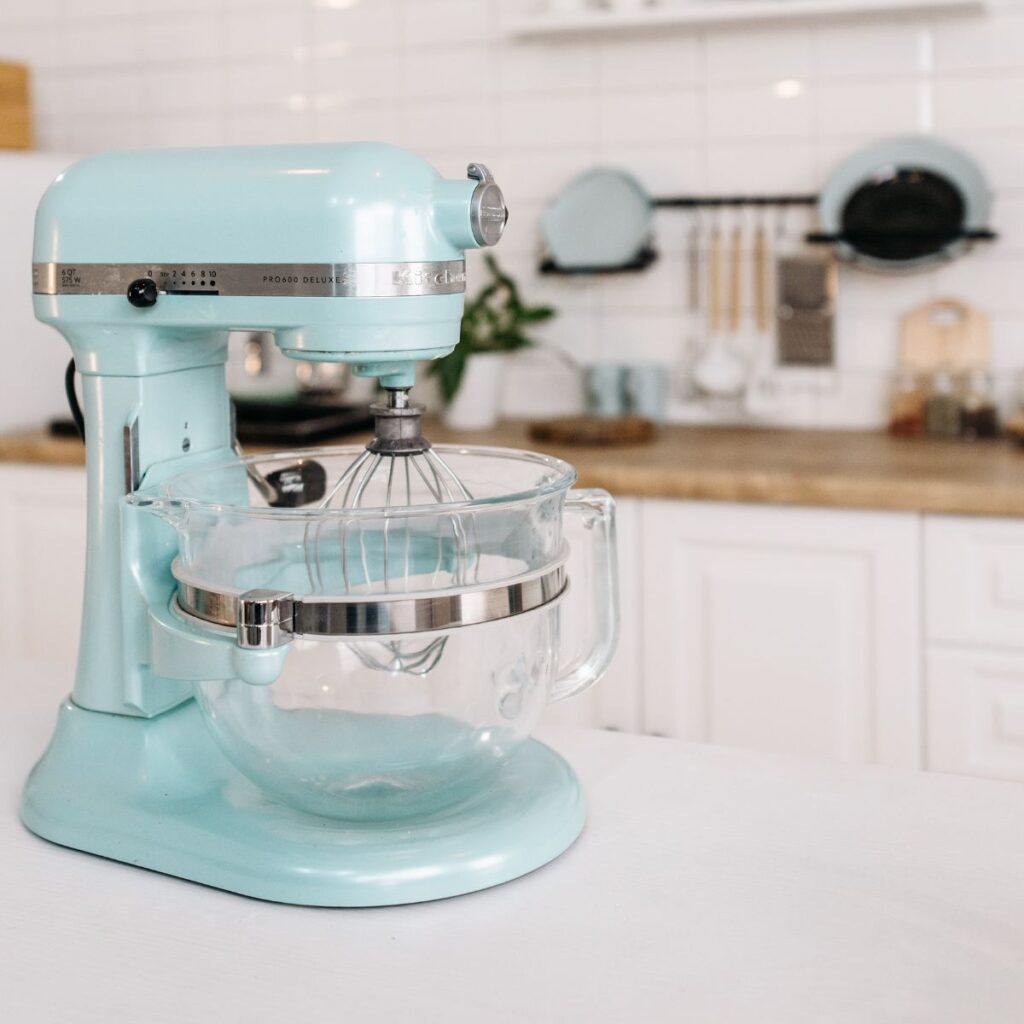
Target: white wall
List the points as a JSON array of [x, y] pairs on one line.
[[685, 112]]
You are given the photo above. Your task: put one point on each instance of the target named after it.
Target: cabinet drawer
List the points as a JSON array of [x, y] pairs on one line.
[[974, 581], [975, 713]]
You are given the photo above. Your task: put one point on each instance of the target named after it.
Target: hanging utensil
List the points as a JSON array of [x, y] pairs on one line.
[[682, 374], [736, 278], [760, 386], [721, 372], [762, 395], [693, 266], [761, 276], [715, 315]]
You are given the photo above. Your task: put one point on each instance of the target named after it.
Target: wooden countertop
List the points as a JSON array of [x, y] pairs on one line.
[[840, 469]]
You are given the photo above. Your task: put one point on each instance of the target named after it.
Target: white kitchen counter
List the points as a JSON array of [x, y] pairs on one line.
[[709, 886]]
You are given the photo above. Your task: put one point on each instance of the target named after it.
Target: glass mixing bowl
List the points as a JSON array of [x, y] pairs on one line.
[[423, 639]]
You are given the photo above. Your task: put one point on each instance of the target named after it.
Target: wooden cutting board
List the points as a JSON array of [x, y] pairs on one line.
[[593, 430], [945, 334], [15, 111]]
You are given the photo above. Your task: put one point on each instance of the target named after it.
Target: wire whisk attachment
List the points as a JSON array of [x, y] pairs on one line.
[[392, 551]]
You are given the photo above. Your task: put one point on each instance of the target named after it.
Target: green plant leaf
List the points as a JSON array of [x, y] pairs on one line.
[[492, 321], [535, 314], [450, 371]]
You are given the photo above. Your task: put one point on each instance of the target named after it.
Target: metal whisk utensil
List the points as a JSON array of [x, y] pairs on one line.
[[388, 550]]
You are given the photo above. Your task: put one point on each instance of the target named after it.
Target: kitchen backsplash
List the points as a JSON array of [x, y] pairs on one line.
[[752, 109]]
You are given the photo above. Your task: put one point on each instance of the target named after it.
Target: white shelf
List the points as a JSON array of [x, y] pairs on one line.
[[696, 14]]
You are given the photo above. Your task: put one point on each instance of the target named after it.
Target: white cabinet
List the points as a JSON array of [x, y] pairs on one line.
[[42, 551], [784, 629], [975, 712], [975, 572], [974, 669]]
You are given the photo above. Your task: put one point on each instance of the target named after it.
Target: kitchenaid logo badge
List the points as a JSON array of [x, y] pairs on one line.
[[426, 277]]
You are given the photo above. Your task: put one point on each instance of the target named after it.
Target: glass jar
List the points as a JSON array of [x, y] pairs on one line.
[[906, 406], [979, 415], [942, 407]]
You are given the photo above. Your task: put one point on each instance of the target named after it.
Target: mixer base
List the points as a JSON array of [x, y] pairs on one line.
[[158, 794]]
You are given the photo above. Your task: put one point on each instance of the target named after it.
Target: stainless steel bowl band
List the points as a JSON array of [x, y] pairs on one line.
[[269, 618], [334, 280]]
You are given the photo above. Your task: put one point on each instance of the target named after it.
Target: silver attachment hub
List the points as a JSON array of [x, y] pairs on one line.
[[488, 213], [397, 426]]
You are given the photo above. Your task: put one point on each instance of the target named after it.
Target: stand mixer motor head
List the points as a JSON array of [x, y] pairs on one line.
[[197, 241]]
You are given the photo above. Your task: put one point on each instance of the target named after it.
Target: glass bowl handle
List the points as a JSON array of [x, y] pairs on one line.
[[593, 581]]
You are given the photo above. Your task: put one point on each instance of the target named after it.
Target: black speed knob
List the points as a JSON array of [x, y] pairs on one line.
[[142, 292]]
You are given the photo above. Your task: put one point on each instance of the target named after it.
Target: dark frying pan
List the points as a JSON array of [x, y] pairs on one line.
[[904, 204]]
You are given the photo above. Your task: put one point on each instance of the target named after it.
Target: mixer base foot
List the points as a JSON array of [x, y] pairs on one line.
[[158, 794]]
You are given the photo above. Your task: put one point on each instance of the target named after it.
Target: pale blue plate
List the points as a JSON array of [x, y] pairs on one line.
[[601, 219]]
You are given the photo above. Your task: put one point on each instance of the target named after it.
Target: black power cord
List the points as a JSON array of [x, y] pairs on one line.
[[76, 409]]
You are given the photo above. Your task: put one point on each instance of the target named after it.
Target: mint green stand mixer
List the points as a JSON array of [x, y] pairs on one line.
[[308, 677]]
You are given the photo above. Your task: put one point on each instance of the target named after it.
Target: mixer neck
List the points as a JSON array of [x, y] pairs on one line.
[[139, 430], [397, 398]]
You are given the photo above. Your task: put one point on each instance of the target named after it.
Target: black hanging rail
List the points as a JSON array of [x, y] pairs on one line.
[[694, 202], [939, 238]]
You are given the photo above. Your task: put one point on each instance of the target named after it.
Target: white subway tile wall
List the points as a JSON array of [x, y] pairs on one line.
[[749, 109]]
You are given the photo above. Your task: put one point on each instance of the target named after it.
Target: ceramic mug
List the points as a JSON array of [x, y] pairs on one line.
[[646, 390], [605, 389]]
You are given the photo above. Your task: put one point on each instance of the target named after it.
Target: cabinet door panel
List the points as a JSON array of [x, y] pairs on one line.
[[974, 573], [975, 712], [42, 540], [783, 629], [614, 702]]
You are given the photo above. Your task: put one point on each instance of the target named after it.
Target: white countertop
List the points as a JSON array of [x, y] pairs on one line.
[[709, 886]]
